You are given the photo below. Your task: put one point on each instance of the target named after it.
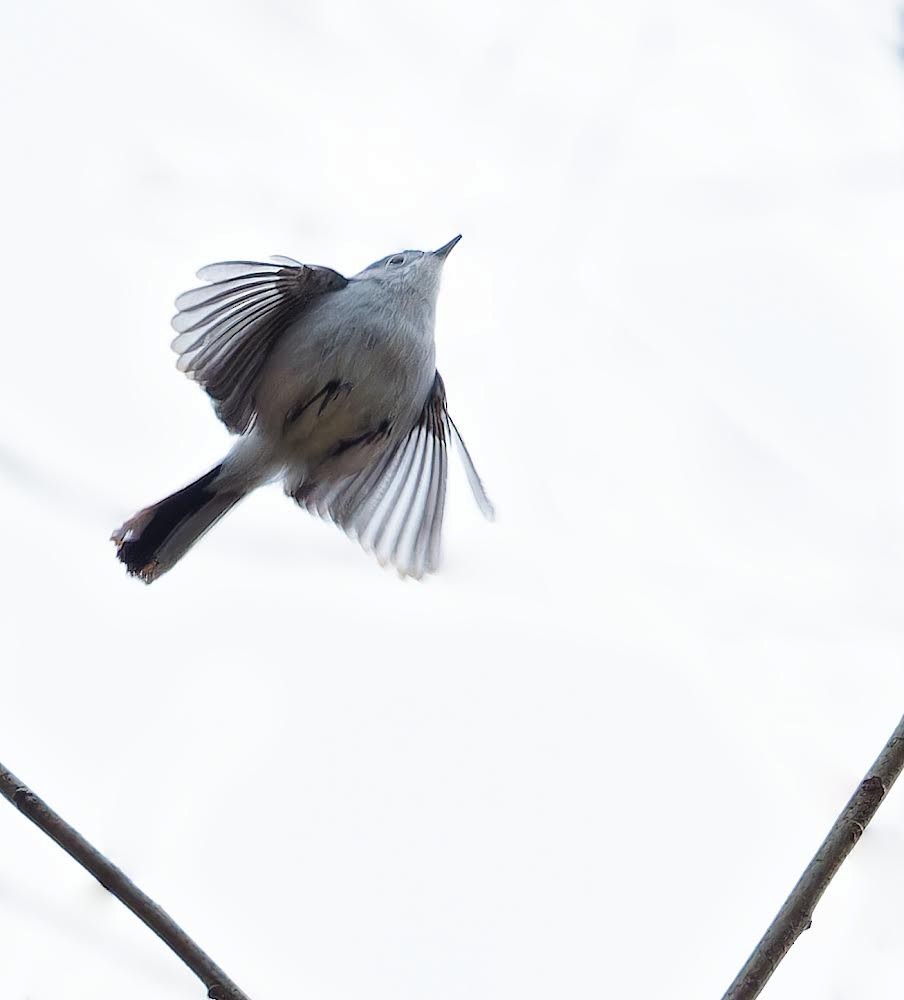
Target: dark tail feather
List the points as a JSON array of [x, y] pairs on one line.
[[156, 538]]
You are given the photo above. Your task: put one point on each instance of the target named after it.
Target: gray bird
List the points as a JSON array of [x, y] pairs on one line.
[[332, 386]]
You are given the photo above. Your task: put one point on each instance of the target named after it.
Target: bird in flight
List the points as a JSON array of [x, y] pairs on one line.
[[331, 385]]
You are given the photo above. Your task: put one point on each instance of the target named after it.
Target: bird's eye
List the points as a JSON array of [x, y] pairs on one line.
[[398, 259]]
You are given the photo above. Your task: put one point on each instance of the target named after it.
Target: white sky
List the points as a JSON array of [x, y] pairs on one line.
[[591, 757]]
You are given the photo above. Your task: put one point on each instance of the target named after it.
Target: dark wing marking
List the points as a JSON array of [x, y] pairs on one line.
[[368, 438], [395, 507], [226, 328], [328, 394]]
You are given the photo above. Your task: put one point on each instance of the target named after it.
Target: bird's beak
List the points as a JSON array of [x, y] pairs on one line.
[[443, 251]]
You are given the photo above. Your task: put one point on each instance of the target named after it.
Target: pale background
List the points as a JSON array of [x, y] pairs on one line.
[[590, 757]]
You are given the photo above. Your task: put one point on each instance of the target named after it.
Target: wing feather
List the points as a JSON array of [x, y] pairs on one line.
[[394, 508], [227, 327]]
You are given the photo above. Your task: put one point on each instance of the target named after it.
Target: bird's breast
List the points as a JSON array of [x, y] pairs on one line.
[[348, 371]]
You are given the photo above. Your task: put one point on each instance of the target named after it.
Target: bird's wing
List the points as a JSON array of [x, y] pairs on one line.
[[394, 508], [227, 327]]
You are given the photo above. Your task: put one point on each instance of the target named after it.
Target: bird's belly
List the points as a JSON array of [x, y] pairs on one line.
[[337, 412]]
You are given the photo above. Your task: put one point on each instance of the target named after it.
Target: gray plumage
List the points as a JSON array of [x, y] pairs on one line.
[[332, 386]]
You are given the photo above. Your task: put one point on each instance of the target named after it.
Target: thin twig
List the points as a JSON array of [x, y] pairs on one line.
[[219, 985], [796, 914]]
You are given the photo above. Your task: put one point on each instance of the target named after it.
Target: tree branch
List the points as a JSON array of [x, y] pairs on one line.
[[796, 914], [219, 985]]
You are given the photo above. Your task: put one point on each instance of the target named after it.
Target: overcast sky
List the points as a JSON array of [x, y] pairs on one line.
[[592, 755]]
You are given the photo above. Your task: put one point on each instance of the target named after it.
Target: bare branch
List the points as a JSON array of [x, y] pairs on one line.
[[796, 914], [219, 985]]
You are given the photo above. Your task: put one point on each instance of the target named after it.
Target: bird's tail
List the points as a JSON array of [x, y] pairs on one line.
[[156, 538]]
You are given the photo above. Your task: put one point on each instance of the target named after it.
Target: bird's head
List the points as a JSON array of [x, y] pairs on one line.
[[414, 271]]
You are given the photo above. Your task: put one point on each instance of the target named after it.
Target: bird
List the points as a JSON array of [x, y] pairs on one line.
[[330, 384]]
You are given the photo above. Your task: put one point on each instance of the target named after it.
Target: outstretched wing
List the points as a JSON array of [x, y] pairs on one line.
[[227, 327], [395, 507]]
